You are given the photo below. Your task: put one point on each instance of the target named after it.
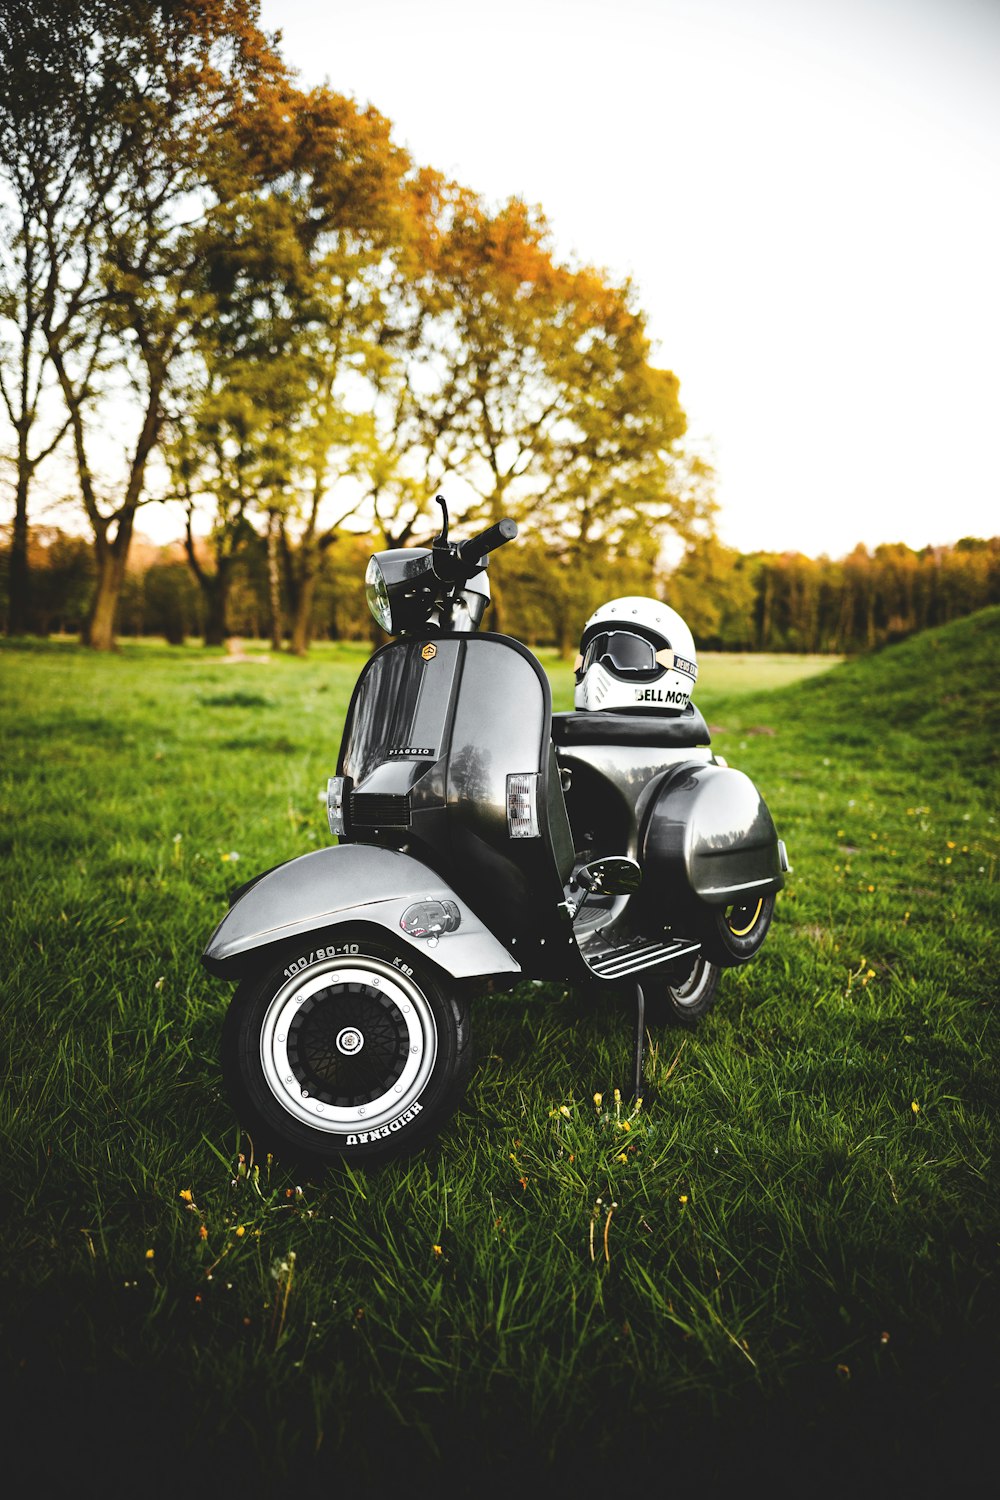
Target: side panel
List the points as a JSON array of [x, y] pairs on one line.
[[611, 789], [352, 882], [710, 834]]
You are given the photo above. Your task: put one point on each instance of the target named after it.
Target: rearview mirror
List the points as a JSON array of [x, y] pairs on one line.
[[613, 876]]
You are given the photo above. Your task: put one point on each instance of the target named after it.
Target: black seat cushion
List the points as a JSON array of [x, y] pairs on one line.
[[681, 731]]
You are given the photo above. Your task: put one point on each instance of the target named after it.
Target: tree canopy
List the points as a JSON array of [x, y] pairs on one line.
[[292, 326]]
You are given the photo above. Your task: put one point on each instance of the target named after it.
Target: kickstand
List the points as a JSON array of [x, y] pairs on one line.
[[641, 1088]]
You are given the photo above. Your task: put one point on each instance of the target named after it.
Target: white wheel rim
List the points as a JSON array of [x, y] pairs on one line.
[[388, 1066]]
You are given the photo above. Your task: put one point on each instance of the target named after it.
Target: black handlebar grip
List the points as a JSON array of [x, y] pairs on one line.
[[488, 540]]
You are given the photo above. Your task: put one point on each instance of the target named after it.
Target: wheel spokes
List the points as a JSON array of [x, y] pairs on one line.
[[348, 1045]]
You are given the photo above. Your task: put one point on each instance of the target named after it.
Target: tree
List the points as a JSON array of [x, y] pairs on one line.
[[162, 112], [532, 382], [713, 588], [283, 409], [36, 170]]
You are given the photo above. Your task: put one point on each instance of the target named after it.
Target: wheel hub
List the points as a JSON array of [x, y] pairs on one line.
[[327, 1039], [350, 1041]]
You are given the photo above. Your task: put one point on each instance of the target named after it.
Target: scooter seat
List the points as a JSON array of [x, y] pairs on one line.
[[683, 731]]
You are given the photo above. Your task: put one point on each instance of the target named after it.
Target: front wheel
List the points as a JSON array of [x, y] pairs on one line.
[[357, 1054]]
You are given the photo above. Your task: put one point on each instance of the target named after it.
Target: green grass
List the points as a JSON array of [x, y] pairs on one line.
[[800, 1274]]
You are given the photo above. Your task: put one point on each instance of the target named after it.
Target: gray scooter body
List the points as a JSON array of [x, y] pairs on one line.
[[436, 729]]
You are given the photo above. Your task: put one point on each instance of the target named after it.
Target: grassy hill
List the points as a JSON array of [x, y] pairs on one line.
[[940, 689], [798, 1281]]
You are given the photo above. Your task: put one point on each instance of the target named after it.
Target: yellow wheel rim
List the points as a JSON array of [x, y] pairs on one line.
[[742, 931]]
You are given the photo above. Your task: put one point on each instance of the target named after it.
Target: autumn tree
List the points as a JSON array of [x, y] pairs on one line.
[[532, 383], [303, 288]]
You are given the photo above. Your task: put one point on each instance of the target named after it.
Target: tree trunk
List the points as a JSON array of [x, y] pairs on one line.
[[274, 580], [302, 619], [99, 630], [214, 587], [19, 582], [215, 592], [765, 618]]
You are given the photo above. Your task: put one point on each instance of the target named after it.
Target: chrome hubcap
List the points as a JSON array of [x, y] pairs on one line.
[[347, 1045]]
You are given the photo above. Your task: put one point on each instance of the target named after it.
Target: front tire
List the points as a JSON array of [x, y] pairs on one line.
[[358, 1054]]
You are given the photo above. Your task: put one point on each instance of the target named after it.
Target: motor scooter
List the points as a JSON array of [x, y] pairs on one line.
[[482, 840]]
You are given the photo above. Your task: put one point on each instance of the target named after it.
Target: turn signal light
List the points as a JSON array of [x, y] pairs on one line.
[[522, 805]]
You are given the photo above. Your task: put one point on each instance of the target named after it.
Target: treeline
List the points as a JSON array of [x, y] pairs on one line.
[[732, 601], [244, 299], [223, 291], [788, 602]]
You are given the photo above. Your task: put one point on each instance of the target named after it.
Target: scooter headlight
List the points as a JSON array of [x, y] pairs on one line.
[[378, 595], [400, 587]]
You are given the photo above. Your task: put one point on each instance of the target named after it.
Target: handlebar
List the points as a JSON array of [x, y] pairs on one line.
[[489, 540]]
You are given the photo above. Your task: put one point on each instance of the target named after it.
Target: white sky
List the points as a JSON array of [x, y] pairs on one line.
[[806, 192]]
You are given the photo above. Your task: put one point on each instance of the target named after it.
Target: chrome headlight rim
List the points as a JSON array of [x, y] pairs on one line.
[[377, 595]]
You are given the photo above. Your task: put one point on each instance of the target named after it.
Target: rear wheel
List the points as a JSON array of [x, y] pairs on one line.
[[731, 935], [358, 1054], [682, 997]]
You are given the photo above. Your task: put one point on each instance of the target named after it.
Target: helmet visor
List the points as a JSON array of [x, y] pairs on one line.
[[626, 655]]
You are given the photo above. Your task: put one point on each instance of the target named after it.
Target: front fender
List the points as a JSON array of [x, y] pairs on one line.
[[348, 883]]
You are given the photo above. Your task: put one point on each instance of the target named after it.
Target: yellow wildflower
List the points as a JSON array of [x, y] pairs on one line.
[[150, 1254], [240, 1231], [564, 1110], [598, 1099], [437, 1250], [187, 1195], [682, 1199], [915, 1106]]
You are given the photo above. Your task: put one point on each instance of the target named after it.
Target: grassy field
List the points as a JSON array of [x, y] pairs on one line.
[[786, 1268]]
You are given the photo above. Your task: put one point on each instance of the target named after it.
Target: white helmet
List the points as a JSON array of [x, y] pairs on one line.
[[635, 654]]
